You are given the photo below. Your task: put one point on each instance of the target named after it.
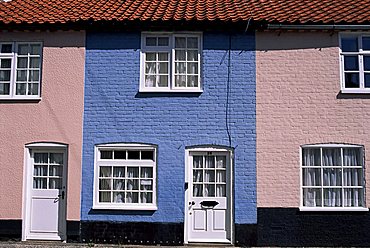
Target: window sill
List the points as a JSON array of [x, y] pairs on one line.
[[333, 209], [170, 91], [355, 91], [20, 99], [133, 207]]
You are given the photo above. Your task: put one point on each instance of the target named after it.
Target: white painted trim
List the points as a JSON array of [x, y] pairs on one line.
[[329, 145], [46, 145], [333, 209], [355, 91], [230, 162], [129, 146]]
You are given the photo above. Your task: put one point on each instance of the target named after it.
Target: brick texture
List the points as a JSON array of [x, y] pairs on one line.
[[299, 102], [116, 112]]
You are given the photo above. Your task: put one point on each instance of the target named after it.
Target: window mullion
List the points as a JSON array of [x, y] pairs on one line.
[[322, 178], [342, 162]]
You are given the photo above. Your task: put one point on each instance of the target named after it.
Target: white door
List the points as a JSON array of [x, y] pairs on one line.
[[208, 205], [45, 214]]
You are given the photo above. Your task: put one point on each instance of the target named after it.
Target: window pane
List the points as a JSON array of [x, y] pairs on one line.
[[162, 56], [367, 63], [56, 158], [22, 62], [351, 80], [311, 177], [34, 62], [180, 55], [104, 196], [209, 190], [146, 172], [133, 155], [56, 171], [192, 68], [351, 63], [332, 197], [21, 75], [197, 161], [209, 176], [352, 157], [311, 157], [5, 75], [353, 198], [105, 171], [332, 177], [163, 68], [150, 81], [163, 41], [210, 162], [119, 154], [132, 172], [192, 81], [4, 89], [151, 41], [221, 161], [55, 183], [150, 56], [192, 55], [197, 190], [40, 158], [180, 67], [349, 44], [118, 171], [220, 190], [198, 176], [33, 89], [39, 183], [180, 81], [119, 197], [150, 67], [5, 63], [106, 154], [105, 184], [35, 49], [40, 170], [221, 177], [367, 80], [6, 48], [180, 42], [366, 43], [146, 184], [132, 197], [147, 155], [331, 157], [163, 81], [23, 49], [119, 184], [193, 42], [34, 76], [146, 197], [352, 177], [21, 89]]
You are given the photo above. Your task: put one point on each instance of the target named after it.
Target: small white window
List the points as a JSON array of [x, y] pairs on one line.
[[332, 177], [125, 177], [20, 70], [170, 62], [355, 63]]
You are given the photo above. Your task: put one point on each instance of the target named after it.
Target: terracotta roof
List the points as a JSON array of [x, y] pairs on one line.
[[276, 11]]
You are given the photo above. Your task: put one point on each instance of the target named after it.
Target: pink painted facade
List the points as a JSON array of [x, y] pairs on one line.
[[299, 102], [57, 117]]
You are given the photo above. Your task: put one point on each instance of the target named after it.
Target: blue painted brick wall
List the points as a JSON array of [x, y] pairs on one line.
[[115, 112]]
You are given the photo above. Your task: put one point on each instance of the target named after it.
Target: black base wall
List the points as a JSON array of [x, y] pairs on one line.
[[291, 227], [132, 233], [10, 230]]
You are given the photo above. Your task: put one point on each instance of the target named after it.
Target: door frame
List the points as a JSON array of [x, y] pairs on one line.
[[27, 186], [187, 192]]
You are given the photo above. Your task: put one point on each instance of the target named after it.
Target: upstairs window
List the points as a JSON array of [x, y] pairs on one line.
[[333, 177], [355, 63], [20, 70], [170, 62], [125, 177]]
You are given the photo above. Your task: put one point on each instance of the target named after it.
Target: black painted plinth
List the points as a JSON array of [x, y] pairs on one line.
[[132, 233]]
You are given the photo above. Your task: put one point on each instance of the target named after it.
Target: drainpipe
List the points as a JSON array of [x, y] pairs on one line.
[[316, 27]]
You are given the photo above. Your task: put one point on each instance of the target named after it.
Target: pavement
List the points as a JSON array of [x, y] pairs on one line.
[[46, 244]]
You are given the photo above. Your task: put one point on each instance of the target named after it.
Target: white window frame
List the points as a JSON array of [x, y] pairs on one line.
[[124, 163], [14, 56], [360, 53], [171, 50], [322, 208]]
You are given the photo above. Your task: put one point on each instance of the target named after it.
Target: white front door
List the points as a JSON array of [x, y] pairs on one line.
[[208, 204], [45, 214]]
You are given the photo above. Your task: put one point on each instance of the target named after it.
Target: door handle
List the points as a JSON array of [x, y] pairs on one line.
[[62, 195]]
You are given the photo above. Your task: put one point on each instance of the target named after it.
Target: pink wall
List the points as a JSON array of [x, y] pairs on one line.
[[56, 118], [298, 102]]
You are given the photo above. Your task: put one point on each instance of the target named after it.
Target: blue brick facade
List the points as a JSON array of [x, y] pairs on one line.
[[115, 111]]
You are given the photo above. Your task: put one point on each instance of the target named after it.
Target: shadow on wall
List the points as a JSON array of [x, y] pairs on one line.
[[284, 40]]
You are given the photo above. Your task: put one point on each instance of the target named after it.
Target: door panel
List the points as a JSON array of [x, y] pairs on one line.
[[209, 197], [47, 197]]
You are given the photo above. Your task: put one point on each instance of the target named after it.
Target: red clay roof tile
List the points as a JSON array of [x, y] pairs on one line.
[[282, 11]]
